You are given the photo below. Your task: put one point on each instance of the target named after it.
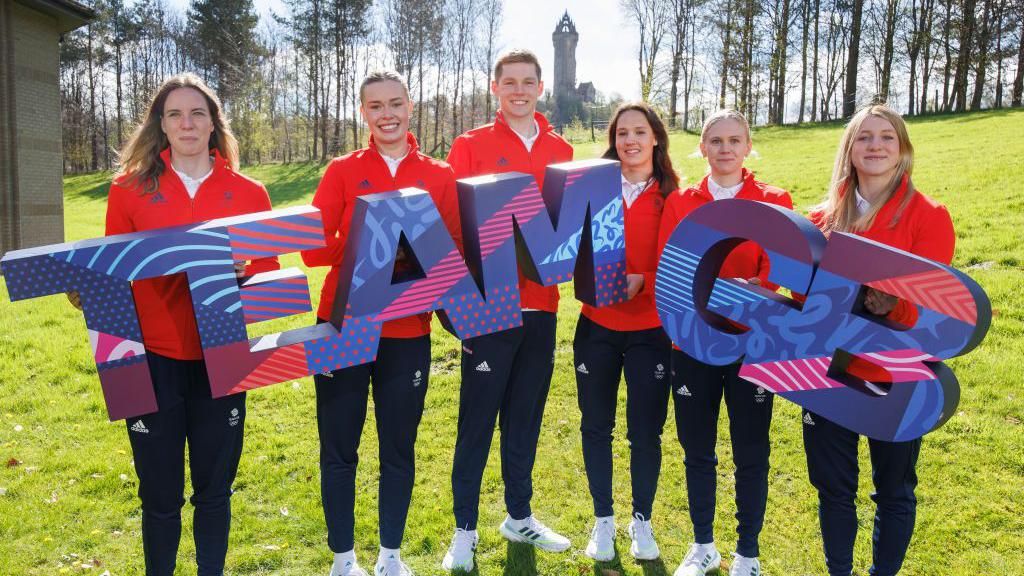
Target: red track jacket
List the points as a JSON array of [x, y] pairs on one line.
[[365, 172], [924, 228], [495, 148], [748, 259], [164, 304], [642, 219]]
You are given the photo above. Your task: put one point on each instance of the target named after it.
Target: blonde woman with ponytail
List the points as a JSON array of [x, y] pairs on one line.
[[872, 195]]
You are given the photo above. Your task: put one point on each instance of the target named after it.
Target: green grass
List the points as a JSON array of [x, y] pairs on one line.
[[68, 489]]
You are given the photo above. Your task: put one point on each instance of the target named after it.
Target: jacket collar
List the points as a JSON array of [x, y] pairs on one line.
[[219, 163], [543, 126], [414, 146], [746, 177]]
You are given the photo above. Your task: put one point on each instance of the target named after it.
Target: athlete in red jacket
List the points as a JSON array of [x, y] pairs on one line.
[[399, 375], [506, 373], [872, 195], [699, 388], [180, 166], [628, 338]]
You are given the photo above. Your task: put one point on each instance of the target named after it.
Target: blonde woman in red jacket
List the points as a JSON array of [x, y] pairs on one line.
[[699, 388], [872, 195], [628, 337], [181, 166]]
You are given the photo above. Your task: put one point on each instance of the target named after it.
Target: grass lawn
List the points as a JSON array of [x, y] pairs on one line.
[[68, 500]]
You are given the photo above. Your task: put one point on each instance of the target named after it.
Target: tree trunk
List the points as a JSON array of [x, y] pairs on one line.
[[964, 59], [984, 40], [1018, 80], [805, 29], [852, 60], [725, 52], [947, 27], [814, 65]]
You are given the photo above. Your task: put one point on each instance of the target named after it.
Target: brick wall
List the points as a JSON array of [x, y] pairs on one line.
[[38, 188]]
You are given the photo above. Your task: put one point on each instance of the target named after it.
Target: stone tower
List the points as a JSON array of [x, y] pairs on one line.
[[565, 38]]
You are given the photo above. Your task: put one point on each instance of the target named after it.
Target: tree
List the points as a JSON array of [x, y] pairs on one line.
[[1018, 80], [682, 59], [852, 60], [650, 18], [225, 44]]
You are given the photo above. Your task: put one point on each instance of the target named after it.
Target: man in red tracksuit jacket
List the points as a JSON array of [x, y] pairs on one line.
[[507, 373], [391, 161]]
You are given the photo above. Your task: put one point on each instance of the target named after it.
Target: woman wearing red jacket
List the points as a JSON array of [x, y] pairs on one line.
[[872, 195], [628, 337], [699, 388], [400, 373], [181, 166]]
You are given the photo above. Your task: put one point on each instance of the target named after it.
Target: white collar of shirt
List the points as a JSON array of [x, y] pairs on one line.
[[192, 184], [862, 204], [722, 193], [529, 140], [631, 191], [393, 162]]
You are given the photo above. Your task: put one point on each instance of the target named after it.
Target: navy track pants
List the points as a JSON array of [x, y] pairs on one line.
[[505, 377], [697, 390], [399, 377], [832, 466], [600, 356], [213, 430]]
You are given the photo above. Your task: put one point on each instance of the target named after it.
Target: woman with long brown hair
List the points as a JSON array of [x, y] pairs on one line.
[[872, 195], [181, 166], [628, 337]]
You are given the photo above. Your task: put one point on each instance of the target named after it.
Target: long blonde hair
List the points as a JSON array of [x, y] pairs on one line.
[[140, 163], [840, 205]]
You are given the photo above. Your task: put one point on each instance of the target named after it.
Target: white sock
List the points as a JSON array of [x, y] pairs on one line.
[[517, 524], [707, 547], [387, 553], [343, 559], [608, 519]]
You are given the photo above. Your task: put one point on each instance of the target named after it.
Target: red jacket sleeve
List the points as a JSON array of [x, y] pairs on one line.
[[330, 199], [449, 209], [262, 204], [669, 219], [763, 264], [118, 219], [934, 239], [460, 159]]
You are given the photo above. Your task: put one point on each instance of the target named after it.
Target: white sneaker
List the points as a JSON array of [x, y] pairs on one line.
[[460, 552], [532, 531], [391, 565], [347, 568], [743, 566], [701, 559], [643, 547], [602, 540]]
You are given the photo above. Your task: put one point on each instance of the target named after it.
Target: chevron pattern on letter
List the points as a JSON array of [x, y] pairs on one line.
[[790, 375], [935, 289]]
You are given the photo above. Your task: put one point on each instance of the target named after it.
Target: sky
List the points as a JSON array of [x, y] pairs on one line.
[[605, 55]]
